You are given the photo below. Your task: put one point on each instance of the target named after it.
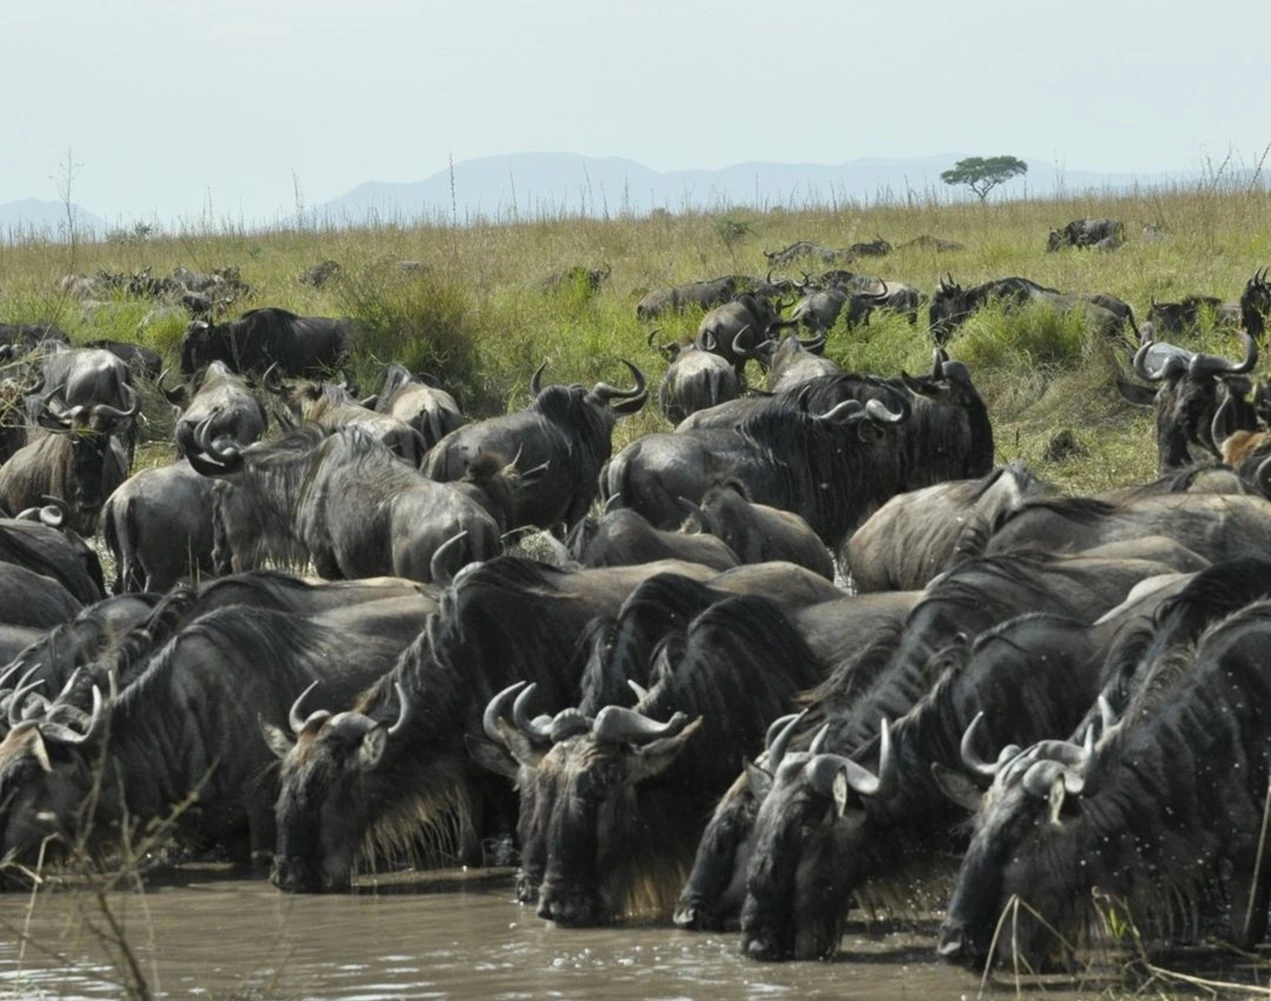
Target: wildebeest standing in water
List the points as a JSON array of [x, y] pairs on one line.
[[203, 692], [1163, 815], [613, 800], [566, 430], [298, 345], [346, 789]]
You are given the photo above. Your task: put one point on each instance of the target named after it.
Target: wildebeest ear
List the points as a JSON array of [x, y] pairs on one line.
[[1132, 392], [372, 749], [491, 757], [760, 781], [518, 745], [277, 740], [654, 758], [958, 787], [922, 387]]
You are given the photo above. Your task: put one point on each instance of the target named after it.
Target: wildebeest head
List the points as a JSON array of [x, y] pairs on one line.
[[1187, 398], [1255, 304], [1015, 855], [83, 452], [811, 800], [47, 767], [947, 309], [579, 782], [320, 809], [196, 346]]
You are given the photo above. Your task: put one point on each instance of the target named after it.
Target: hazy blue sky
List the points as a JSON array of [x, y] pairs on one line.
[[168, 104]]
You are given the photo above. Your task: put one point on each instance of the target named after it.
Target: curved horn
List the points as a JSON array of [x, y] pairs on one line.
[[438, 565], [403, 710], [1263, 477], [133, 405], [167, 393], [1140, 365], [973, 762], [1203, 364], [876, 410], [607, 392], [823, 772], [66, 735], [818, 742], [497, 708], [846, 408], [536, 384], [777, 749], [879, 296], [521, 717], [15, 700], [641, 693], [295, 719], [271, 379], [619, 725]]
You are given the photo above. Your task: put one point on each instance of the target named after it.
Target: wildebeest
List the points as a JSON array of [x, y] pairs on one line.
[[224, 399], [347, 786], [948, 437], [614, 802], [877, 247], [90, 386], [1102, 233], [331, 406], [819, 311], [577, 277], [758, 533], [1215, 526], [623, 537], [40, 540], [418, 400], [31, 599], [884, 675], [1184, 317], [344, 501], [298, 345], [791, 361], [31, 335], [139, 358], [694, 380], [733, 329], [78, 464], [319, 274], [804, 248], [911, 538], [566, 429], [830, 468], [1163, 815], [158, 527], [702, 295], [951, 305], [204, 691]]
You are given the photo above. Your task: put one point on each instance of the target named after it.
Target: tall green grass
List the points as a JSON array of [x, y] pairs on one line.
[[479, 319]]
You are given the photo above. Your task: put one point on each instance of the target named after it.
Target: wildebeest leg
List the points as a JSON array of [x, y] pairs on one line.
[[1248, 915], [262, 832]]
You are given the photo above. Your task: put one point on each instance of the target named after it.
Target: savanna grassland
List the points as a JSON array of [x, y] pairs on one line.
[[478, 318]]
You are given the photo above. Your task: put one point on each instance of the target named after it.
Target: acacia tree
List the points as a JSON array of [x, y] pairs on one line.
[[983, 174]]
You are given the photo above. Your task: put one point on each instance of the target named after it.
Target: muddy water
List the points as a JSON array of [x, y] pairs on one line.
[[449, 936]]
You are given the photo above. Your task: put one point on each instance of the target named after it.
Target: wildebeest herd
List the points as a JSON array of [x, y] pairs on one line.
[[682, 716]]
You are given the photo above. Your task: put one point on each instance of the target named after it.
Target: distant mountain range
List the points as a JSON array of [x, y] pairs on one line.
[[532, 185], [32, 214], [537, 185]]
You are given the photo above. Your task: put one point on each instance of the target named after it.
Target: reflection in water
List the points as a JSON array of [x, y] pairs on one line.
[[454, 936]]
